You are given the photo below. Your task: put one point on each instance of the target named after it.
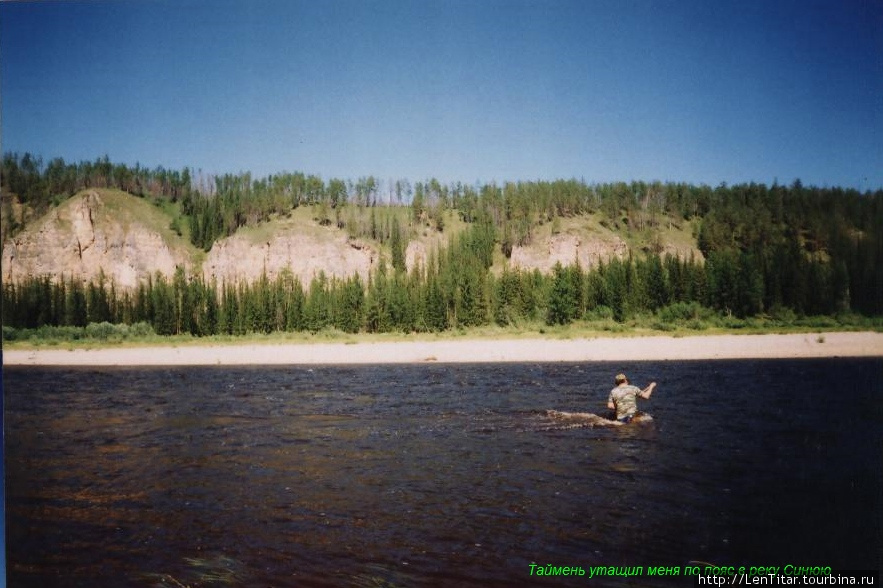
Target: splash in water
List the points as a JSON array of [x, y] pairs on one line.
[[578, 420]]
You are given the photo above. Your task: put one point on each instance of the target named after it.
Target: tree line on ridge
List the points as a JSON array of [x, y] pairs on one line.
[[767, 250]]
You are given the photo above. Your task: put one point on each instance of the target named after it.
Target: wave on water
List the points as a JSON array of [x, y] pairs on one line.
[[561, 420]]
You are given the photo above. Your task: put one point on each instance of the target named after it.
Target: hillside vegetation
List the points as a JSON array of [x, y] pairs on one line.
[[396, 256]]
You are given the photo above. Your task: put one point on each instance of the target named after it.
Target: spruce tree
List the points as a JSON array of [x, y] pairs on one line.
[[163, 303], [317, 313], [397, 246]]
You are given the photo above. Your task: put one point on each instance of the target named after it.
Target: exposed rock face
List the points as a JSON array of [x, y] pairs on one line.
[[415, 253], [70, 242], [305, 254], [419, 250], [128, 240], [568, 249]]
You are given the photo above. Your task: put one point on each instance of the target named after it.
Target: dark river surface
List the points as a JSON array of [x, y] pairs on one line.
[[436, 475]]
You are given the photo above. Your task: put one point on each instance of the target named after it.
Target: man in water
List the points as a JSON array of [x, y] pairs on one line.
[[623, 398]]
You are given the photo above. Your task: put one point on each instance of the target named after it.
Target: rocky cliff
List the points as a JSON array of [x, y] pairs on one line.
[[128, 239], [99, 231], [305, 251]]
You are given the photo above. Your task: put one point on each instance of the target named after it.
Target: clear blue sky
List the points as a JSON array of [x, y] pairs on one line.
[[682, 90]]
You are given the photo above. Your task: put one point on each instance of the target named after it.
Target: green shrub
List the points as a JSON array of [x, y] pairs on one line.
[[101, 331], [141, 329], [600, 313], [97, 331], [680, 311], [689, 314], [732, 322], [53, 333], [819, 322], [783, 315]]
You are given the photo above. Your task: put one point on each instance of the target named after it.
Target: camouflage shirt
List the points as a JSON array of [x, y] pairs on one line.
[[624, 398]]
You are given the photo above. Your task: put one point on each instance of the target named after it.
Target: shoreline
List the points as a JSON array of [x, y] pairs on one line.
[[537, 350]]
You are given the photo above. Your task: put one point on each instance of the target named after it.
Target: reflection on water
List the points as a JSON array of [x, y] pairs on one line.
[[435, 475]]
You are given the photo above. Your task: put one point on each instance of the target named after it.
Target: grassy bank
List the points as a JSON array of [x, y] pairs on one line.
[[102, 335]]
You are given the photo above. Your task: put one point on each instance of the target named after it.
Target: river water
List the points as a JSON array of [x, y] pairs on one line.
[[436, 475]]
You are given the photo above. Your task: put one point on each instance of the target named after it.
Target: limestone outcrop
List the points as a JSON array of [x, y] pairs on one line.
[[128, 239], [305, 254], [568, 249], [83, 239]]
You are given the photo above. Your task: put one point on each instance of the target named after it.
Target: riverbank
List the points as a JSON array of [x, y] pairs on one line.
[[804, 345]]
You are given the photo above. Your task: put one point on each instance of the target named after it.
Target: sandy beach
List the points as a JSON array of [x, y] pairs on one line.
[[805, 345]]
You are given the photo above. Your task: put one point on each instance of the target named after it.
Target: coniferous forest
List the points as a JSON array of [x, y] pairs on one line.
[[767, 251]]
